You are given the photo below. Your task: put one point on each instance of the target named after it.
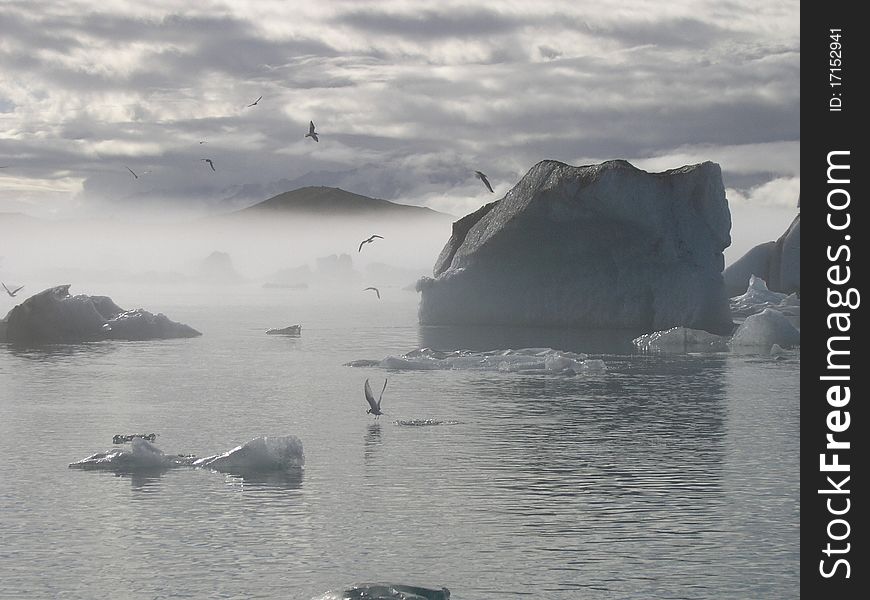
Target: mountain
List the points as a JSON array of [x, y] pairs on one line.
[[330, 201]]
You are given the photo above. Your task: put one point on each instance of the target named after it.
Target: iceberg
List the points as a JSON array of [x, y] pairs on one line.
[[682, 339], [385, 591], [265, 454], [601, 246], [765, 329], [141, 456], [756, 298], [544, 361], [778, 263], [53, 315]]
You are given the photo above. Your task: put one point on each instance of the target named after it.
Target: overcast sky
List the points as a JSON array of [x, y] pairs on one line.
[[409, 97]]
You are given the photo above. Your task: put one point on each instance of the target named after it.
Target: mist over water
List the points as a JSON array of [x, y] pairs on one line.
[[257, 249], [665, 476]]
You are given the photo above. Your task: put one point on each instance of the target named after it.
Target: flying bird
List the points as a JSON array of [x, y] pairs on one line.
[[210, 163], [311, 133], [12, 292], [254, 103], [131, 172], [377, 291], [375, 406], [485, 181], [203, 141], [368, 241]]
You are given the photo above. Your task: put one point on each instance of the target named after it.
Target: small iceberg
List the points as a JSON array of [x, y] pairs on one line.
[[141, 456], [756, 298], [385, 591], [765, 329], [260, 454], [289, 330], [266, 454], [681, 339], [544, 361]]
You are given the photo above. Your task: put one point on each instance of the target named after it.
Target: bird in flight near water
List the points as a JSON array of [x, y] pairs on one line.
[[368, 241], [377, 291], [311, 133], [210, 163], [375, 406], [254, 103], [485, 181], [131, 172]]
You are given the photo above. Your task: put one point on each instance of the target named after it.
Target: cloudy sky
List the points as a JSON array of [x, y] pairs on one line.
[[410, 97]]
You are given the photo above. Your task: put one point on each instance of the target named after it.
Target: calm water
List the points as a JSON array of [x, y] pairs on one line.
[[671, 476]]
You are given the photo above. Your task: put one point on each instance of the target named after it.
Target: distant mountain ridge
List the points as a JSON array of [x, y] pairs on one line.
[[331, 201]]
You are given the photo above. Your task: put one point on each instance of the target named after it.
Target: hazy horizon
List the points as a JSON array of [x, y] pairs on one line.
[[409, 100]]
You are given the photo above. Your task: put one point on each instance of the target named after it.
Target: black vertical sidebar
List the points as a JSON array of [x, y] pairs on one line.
[[834, 60]]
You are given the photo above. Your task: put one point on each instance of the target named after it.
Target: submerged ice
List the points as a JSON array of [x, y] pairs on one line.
[[262, 454], [524, 360]]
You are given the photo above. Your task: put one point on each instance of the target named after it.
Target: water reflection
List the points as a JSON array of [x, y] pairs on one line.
[[371, 440], [60, 352], [290, 479], [482, 338]]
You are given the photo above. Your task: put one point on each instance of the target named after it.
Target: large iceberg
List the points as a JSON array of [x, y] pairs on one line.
[[778, 263], [603, 246], [54, 316]]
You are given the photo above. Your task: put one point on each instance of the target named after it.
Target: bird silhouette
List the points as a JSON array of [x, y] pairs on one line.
[[210, 163], [377, 291], [311, 133], [131, 172], [254, 103], [12, 292], [375, 406], [368, 241], [485, 181]]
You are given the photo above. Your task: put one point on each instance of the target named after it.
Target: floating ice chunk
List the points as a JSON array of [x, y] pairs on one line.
[[524, 360], [141, 456], [767, 328], [385, 591], [756, 299], [260, 454], [777, 350], [681, 339], [424, 422]]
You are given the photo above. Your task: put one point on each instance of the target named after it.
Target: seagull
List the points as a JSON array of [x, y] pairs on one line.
[[203, 141], [210, 163], [311, 133], [485, 181], [368, 241], [377, 291], [131, 172], [254, 103], [375, 406], [12, 292]]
